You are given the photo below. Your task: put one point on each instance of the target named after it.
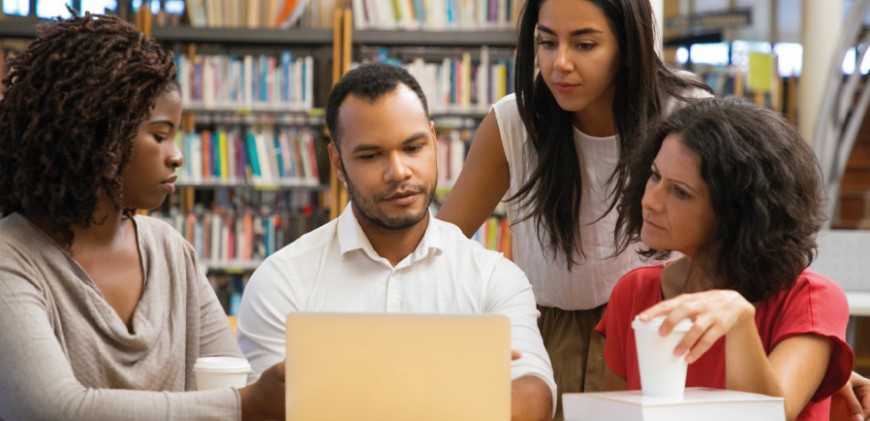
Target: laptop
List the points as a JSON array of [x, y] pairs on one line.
[[350, 366]]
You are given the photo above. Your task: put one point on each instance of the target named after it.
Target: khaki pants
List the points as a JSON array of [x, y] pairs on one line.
[[576, 350]]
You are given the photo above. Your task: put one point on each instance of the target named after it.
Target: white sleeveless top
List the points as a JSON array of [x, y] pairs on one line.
[[589, 282]]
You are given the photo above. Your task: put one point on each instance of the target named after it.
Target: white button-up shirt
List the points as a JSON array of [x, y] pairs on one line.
[[335, 269]]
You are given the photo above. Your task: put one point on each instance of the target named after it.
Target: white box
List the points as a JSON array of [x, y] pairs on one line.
[[697, 404]]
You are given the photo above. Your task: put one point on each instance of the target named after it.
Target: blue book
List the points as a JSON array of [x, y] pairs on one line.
[[216, 154], [286, 82], [304, 77], [234, 79], [510, 77], [453, 86], [251, 149], [279, 156]]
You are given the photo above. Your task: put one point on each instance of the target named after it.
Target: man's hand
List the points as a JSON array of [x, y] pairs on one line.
[[852, 401], [264, 399]]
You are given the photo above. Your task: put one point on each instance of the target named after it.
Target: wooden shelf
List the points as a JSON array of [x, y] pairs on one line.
[[25, 29], [305, 37], [447, 38], [283, 185], [232, 266]]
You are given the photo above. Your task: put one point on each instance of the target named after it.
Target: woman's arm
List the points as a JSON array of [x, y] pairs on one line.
[[484, 179], [262, 399], [793, 370], [38, 382], [800, 363]]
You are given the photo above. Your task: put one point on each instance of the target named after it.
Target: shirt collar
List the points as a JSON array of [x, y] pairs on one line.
[[351, 237]]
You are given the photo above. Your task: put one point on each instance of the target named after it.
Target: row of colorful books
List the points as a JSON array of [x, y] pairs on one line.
[[452, 148], [256, 83], [495, 234], [463, 81], [244, 14], [464, 85], [239, 241], [261, 156], [436, 15]]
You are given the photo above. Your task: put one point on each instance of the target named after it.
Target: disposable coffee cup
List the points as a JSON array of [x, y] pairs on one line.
[[221, 372], [662, 374]]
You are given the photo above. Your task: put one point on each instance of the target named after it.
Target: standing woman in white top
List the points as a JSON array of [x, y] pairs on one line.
[[588, 82]]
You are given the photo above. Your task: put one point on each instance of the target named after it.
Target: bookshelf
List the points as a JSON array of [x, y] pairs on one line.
[[253, 142], [233, 219], [244, 36], [467, 39], [18, 28]]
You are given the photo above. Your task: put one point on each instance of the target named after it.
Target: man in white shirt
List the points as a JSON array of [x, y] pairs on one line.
[[386, 253]]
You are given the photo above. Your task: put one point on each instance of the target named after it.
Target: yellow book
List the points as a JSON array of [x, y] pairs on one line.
[[501, 82], [225, 157]]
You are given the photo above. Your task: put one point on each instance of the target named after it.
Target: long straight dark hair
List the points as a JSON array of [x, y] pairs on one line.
[[552, 194]]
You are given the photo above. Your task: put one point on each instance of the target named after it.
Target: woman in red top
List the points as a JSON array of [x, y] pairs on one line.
[[735, 190]]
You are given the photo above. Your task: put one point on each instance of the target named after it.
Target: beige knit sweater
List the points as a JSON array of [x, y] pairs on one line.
[[66, 354]]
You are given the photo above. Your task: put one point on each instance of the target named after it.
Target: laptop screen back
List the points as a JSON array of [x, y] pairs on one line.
[[397, 367]]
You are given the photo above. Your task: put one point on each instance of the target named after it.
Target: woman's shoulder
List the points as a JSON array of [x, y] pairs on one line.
[[507, 112], [508, 103], [814, 300], [18, 233], [154, 231], [821, 288], [640, 281]]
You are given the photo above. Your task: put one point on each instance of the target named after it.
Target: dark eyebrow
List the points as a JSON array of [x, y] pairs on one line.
[[413, 138], [166, 122], [574, 33], [684, 184], [676, 181]]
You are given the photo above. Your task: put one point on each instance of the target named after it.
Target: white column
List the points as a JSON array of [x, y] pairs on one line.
[[658, 8], [821, 26]]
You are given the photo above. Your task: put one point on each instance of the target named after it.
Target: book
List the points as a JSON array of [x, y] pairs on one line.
[[697, 404]]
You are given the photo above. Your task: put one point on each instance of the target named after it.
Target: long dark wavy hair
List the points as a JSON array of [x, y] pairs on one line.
[[552, 194], [765, 187], [74, 100]]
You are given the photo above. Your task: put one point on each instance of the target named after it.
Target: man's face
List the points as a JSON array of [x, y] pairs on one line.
[[387, 159]]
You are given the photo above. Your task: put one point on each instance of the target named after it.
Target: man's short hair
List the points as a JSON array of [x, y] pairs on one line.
[[369, 82]]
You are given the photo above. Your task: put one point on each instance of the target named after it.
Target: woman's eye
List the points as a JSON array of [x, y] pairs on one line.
[[545, 43]]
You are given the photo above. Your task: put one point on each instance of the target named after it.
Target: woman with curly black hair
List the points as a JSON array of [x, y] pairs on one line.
[[103, 313], [735, 189]]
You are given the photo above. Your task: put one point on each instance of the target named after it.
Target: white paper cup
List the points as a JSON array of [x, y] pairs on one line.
[[662, 373], [221, 372]]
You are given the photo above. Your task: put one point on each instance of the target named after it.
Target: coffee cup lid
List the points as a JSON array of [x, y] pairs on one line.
[[656, 322], [222, 365]]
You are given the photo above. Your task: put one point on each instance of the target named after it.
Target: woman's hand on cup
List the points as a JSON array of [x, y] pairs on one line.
[[713, 313]]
